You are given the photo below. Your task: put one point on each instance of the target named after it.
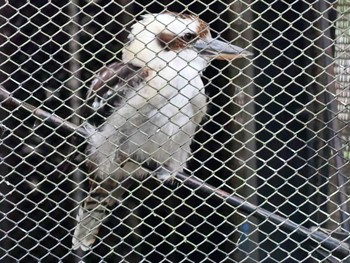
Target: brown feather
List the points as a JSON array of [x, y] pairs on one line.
[[110, 88]]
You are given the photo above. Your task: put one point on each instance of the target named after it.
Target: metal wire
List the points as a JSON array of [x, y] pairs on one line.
[[333, 245], [268, 167]]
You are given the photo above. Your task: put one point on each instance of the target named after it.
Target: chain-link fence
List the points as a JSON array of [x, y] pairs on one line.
[[257, 155]]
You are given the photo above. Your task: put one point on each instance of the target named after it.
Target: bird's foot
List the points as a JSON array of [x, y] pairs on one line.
[[163, 174]]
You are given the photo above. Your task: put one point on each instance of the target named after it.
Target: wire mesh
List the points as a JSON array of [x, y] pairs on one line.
[[274, 132]]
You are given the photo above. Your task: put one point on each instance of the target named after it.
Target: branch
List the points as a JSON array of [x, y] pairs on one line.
[[339, 248], [8, 101]]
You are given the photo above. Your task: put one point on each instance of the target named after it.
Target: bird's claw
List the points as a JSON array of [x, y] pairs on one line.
[[163, 174]]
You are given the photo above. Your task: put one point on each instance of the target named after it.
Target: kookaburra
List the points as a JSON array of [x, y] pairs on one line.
[[151, 104]]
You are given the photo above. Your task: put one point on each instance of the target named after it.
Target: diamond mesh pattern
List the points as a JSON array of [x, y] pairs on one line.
[[274, 135]]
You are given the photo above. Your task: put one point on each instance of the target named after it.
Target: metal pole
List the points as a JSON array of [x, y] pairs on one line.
[[324, 43], [330, 243]]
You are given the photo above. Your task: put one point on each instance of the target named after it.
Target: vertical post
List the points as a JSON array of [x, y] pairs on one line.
[[74, 84], [341, 91], [5, 188], [244, 182]]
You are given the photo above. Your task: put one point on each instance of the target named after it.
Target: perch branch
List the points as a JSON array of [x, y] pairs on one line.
[[7, 100], [333, 245]]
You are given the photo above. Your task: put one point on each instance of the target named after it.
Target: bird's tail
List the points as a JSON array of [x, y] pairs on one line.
[[94, 210], [97, 205]]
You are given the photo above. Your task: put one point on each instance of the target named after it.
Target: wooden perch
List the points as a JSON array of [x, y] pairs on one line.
[[333, 245]]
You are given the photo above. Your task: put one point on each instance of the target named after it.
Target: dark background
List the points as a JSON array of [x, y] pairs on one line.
[[40, 201]]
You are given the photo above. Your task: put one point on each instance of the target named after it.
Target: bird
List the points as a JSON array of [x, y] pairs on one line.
[[145, 111]]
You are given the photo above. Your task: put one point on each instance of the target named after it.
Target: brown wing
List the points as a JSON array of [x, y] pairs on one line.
[[110, 88], [108, 92]]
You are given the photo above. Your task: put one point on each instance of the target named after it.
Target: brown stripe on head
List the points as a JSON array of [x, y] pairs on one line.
[[203, 29], [181, 15], [170, 42]]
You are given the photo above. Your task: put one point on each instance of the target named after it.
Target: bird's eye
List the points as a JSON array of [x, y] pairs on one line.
[[189, 37]]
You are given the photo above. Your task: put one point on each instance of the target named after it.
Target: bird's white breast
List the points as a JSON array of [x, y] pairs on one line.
[[157, 121]]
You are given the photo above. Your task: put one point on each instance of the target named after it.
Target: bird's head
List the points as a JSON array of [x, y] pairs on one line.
[[170, 39]]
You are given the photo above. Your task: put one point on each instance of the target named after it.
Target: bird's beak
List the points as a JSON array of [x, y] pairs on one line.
[[217, 49]]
